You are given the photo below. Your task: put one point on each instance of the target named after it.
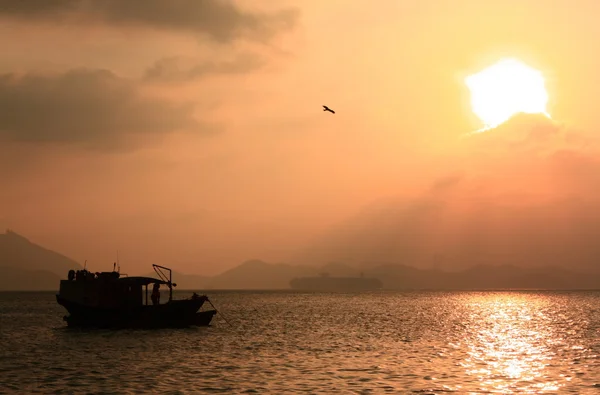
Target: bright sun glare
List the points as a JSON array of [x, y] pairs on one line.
[[505, 89]]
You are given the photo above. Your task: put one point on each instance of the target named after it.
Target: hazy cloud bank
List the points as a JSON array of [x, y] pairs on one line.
[[220, 20], [87, 106]]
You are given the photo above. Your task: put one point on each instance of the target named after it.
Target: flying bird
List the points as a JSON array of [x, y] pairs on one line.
[[325, 108]]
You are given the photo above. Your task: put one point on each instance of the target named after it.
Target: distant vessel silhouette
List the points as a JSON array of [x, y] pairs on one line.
[[109, 300], [325, 283]]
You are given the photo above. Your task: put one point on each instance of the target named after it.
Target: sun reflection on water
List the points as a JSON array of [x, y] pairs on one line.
[[510, 343]]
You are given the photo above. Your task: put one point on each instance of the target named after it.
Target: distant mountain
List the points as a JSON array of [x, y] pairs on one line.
[[31, 263], [469, 220], [256, 274], [15, 279], [325, 283], [27, 266], [484, 277]]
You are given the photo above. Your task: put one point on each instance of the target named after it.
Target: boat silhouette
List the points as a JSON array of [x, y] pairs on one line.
[[112, 300]]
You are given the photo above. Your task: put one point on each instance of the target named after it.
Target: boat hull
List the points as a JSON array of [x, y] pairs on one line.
[[176, 313]]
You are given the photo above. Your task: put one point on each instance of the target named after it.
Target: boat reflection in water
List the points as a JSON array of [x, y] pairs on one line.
[[110, 300]]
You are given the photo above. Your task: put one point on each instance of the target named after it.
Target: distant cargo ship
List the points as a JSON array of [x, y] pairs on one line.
[[325, 283]]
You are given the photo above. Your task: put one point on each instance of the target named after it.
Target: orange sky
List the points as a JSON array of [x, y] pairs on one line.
[[195, 137]]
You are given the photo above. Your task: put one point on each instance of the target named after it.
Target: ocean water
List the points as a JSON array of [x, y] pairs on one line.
[[286, 342]]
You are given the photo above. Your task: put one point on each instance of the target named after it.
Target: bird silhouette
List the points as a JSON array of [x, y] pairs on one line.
[[325, 108]]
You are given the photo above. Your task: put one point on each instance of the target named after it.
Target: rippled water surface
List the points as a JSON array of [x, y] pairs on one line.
[[282, 342]]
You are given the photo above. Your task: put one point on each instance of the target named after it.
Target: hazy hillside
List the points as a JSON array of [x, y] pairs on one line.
[[484, 277], [425, 233], [18, 252], [256, 274], [26, 266], [261, 275], [15, 279]]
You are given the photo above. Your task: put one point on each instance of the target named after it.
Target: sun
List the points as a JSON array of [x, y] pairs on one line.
[[505, 89]]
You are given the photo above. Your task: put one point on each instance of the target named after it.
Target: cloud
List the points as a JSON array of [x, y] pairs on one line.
[[178, 69], [446, 183], [37, 7], [90, 107], [220, 20], [521, 132], [525, 193]]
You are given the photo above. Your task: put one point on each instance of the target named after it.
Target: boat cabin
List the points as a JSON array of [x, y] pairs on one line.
[[111, 290]]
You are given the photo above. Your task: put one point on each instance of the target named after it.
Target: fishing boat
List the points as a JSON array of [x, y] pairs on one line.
[[112, 300]]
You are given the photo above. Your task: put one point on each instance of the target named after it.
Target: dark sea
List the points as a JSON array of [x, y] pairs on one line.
[[288, 342]]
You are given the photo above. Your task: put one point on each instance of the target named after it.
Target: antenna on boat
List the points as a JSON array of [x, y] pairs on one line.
[[85, 264]]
